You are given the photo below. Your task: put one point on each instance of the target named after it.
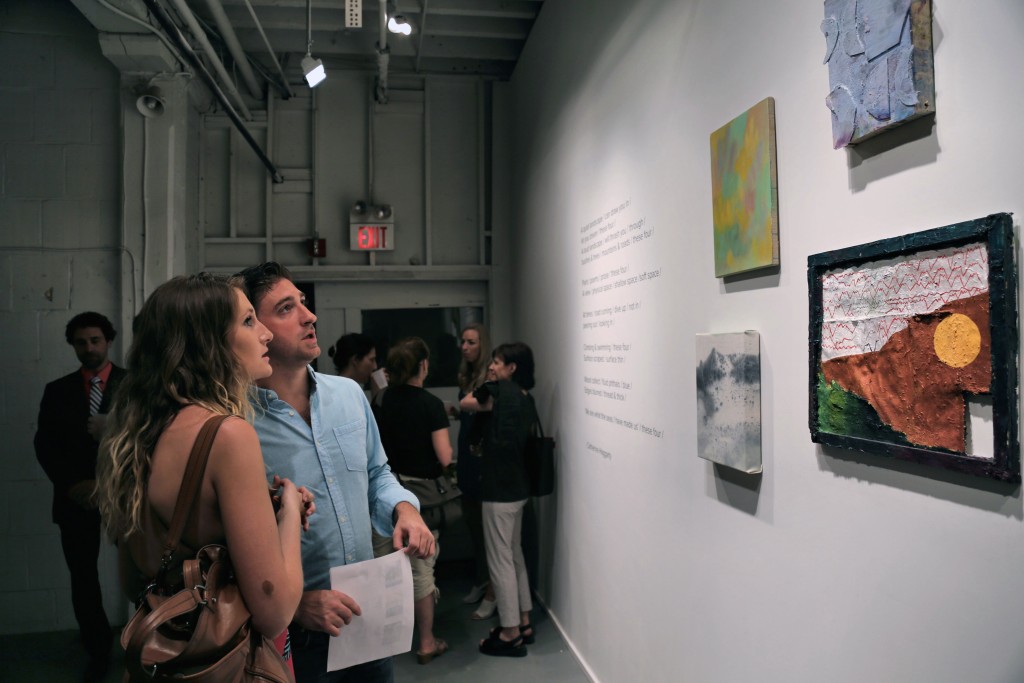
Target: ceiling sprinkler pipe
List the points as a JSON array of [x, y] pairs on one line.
[[227, 32], [193, 60], [383, 56], [286, 90], [211, 54]]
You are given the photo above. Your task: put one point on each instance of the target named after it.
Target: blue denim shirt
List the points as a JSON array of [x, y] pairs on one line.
[[341, 461]]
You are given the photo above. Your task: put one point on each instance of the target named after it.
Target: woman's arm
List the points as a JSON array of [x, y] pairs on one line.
[[264, 548], [480, 400], [470, 404], [442, 446]]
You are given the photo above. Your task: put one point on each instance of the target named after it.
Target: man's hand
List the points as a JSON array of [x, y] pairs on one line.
[[81, 493], [411, 533], [308, 504], [327, 611]]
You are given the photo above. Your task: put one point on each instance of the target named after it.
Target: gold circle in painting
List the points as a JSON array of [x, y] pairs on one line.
[[957, 341]]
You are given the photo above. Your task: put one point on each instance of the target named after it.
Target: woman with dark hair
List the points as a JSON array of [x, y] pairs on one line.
[[414, 431], [197, 349], [505, 491], [475, 345]]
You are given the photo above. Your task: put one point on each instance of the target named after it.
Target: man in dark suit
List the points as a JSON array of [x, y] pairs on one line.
[[72, 417]]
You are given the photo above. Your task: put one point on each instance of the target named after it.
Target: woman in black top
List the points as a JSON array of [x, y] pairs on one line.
[[414, 431], [505, 491]]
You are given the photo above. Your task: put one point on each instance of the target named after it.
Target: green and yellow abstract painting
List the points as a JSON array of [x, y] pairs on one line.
[[744, 191]]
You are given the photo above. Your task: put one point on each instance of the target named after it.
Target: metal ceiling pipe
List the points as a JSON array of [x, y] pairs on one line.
[[285, 88], [383, 56], [227, 32], [211, 54], [192, 58], [423, 31]]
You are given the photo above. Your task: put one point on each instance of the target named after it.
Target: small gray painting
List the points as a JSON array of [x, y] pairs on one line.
[[729, 399]]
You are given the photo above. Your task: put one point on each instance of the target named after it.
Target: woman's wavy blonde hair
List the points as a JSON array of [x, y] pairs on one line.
[[180, 356], [473, 375]]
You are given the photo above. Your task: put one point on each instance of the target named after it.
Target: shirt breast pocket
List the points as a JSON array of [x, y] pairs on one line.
[[352, 441]]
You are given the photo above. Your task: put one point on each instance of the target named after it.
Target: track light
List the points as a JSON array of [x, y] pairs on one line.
[[313, 70], [399, 23]]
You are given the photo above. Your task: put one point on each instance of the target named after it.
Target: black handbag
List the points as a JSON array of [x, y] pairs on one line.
[[539, 460], [439, 499]]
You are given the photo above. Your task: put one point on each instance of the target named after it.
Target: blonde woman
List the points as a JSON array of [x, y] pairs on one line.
[[475, 345], [197, 349]]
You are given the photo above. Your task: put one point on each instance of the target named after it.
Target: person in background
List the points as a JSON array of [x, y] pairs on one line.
[[355, 357], [72, 416], [318, 429], [197, 349], [475, 345], [505, 491], [414, 430]]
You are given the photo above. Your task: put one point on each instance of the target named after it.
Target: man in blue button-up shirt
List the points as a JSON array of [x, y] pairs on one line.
[[318, 431]]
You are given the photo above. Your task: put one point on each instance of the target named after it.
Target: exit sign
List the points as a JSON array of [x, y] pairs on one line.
[[372, 237]]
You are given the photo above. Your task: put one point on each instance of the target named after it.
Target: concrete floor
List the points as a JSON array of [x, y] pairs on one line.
[[58, 657]]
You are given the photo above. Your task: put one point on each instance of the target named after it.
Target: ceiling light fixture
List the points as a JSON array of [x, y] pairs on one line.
[[312, 68], [398, 23]]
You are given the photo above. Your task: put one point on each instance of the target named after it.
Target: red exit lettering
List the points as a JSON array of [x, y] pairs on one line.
[[373, 237]]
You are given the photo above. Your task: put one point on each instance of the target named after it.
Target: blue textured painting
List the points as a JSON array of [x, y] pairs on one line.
[[879, 56]]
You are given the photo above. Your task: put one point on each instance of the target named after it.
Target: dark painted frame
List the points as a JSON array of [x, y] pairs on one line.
[[997, 231]]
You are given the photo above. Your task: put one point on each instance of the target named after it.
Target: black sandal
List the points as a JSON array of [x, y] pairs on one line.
[[525, 631], [496, 647]]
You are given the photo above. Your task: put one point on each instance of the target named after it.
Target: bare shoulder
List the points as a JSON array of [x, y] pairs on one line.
[[236, 443], [235, 428]]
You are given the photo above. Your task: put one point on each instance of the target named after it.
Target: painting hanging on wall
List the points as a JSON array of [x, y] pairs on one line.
[[744, 192], [914, 346], [729, 399], [879, 56]]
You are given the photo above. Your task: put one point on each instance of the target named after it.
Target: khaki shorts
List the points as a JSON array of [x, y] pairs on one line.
[[422, 570]]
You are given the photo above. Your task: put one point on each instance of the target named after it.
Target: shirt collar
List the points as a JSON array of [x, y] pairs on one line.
[[267, 396], [103, 374]]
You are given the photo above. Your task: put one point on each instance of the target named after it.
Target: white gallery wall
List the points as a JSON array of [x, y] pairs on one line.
[[830, 566]]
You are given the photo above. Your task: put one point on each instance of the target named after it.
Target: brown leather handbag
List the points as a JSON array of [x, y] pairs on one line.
[[199, 629]]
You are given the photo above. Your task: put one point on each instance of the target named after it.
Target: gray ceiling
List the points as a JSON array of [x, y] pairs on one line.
[[479, 37]]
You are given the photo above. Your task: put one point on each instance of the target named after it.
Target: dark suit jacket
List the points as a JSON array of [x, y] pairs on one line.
[[63, 445]]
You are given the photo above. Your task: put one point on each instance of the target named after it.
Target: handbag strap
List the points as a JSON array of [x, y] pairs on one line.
[[538, 427], [189, 490]]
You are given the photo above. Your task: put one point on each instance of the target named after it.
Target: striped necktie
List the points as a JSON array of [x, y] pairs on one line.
[[95, 395]]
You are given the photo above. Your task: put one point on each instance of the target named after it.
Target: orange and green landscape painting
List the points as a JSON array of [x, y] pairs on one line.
[[904, 342]]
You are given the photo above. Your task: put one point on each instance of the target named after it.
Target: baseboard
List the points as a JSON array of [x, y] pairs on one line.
[[568, 641]]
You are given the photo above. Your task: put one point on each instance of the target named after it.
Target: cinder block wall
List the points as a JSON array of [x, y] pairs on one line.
[[60, 240]]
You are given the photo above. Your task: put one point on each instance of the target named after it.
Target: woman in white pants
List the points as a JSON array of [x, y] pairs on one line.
[[511, 418]]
